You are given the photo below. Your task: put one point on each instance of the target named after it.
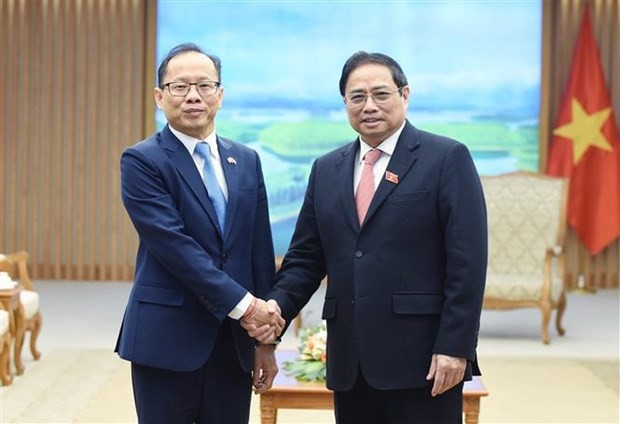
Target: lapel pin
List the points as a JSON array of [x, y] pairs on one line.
[[391, 177], [231, 160]]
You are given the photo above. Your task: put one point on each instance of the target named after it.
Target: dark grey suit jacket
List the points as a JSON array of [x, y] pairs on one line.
[[407, 283]]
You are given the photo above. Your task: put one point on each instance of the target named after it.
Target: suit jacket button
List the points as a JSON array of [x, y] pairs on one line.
[[225, 257], [359, 254]]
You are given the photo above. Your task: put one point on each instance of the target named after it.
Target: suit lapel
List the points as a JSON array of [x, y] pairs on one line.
[[344, 176], [186, 167], [228, 158], [403, 158]]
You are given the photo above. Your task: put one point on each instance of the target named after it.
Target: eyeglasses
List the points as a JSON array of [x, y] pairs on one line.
[[181, 89], [357, 100]]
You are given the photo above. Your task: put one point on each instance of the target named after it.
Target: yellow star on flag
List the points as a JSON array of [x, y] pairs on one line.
[[585, 130]]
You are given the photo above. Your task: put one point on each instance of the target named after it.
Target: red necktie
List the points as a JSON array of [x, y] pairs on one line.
[[366, 187]]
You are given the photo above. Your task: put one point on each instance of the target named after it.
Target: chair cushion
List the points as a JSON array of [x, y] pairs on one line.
[[4, 321], [30, 302], [520, 287]]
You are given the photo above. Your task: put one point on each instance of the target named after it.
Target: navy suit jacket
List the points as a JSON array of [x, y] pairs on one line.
[[408, 282], [189, 272]]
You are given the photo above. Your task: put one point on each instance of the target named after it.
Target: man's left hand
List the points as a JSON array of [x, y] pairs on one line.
[[447, 371], [265, 367]]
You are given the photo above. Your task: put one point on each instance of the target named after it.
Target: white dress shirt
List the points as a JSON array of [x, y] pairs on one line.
[[211, 140], [387, 147]]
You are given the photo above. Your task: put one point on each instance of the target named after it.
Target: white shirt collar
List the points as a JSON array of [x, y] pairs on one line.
[[387, 146], [190, 142]]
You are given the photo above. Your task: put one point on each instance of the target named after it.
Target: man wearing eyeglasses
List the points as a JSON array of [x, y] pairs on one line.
[[397, 222], [199, 206]]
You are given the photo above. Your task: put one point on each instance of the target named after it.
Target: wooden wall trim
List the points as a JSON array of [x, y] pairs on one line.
[[76, 72], [150, 37], [545, 85]]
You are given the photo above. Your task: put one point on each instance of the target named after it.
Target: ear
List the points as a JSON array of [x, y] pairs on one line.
[[220, 96], [406, 92], [159, 97]]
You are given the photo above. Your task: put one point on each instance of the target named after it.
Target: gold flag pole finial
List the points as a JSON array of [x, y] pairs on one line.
[[582, 288]]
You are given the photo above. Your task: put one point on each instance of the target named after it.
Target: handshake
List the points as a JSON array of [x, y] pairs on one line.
[[263, 320]]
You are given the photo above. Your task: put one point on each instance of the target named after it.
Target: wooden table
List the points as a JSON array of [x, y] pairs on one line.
[[472, 392], [288, 393], [10, 301]]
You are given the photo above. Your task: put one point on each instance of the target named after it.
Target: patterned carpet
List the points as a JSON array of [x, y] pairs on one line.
[[93, 386]]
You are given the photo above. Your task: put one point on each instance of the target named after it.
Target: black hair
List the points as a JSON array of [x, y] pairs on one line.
[[184, 48], [362, 58]]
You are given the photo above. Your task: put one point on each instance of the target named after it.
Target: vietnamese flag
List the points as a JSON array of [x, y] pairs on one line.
[[586, 147]]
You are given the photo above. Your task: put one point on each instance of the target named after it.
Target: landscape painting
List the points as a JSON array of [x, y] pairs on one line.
[[473, 69]]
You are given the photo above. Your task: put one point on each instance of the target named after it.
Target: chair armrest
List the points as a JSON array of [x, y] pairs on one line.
[[20, 260]]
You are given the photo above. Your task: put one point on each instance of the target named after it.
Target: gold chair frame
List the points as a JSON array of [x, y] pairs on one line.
[[16, 264]]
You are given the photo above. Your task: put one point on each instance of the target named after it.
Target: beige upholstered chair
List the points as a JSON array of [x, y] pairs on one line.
[[527, 227], [5, 345], [30, 315]]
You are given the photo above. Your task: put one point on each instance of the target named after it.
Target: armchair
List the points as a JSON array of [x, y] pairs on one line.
[[29, 313], [5, 345], [527, 229]]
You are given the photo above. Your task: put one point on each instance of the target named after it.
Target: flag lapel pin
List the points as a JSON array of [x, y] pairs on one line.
[[391, 177]]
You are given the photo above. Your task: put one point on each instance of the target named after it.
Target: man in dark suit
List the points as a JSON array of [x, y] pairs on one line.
[[205, 252], [406, 263]]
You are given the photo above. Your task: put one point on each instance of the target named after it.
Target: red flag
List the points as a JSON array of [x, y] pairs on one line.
[[586, 147], [391, 177]]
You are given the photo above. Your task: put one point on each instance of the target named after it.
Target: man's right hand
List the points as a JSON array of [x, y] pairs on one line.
[[263, 321]]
